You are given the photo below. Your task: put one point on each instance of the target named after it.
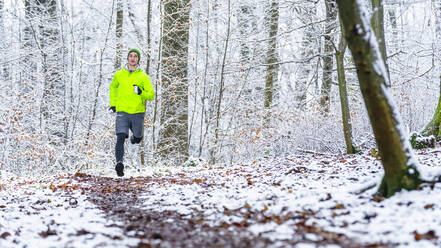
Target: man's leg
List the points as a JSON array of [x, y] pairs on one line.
[[119, 147], [122, 132]]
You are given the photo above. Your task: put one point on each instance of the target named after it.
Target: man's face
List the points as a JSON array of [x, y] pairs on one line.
[[133, 59]]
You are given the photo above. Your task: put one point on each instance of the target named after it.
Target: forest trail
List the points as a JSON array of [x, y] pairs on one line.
[[301, 201]]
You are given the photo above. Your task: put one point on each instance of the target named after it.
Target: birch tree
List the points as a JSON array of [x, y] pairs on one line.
[[394, 149], [174, 100]]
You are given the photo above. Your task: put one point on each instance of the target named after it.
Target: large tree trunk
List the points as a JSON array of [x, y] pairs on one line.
[[271, 71], [173, 142], [331, 16], [347, 124], [434, 126], [396, 154], [378, 27], [118, 33]]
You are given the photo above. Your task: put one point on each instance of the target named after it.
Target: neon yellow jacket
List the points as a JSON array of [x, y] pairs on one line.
[[122, 95]]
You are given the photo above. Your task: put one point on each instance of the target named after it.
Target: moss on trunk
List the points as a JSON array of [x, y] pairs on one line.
[[433, 127], [408, 178]]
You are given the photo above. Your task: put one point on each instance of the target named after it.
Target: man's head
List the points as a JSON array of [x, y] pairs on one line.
[[133, 56]]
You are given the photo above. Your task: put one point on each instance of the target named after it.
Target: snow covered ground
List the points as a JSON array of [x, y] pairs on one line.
[[306, 198]]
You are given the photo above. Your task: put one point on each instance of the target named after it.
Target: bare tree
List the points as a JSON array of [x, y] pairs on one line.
[[434, 126], [396, 154], [378, 27], [271, 72], [328, 60], [173, 143], [119, 33], [344, 102], [3, 69], [306, 12], [147, 70], [52, 107], [221, 89]]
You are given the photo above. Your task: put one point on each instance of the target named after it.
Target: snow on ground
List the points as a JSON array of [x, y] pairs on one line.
[[330, 193], [33, 215]]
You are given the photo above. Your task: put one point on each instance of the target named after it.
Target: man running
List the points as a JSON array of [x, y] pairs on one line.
[[129, 90]]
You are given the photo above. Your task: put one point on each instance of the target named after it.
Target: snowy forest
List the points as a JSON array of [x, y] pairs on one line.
[[233, 80], [275, 123]]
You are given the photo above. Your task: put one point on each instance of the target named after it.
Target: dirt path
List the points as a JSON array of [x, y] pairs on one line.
[[118, 198]]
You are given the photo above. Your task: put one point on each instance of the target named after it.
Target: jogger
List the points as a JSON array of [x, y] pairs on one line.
[[129, 90]]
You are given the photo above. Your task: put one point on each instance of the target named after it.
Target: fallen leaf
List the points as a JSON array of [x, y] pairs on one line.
[[5, 235]]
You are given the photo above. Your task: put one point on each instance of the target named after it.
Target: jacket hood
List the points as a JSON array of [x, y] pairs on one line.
[[126, 66]]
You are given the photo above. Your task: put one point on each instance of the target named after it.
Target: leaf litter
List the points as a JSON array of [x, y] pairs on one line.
[[300, 201]]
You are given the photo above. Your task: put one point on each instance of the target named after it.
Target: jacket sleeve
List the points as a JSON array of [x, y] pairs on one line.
[[114, 90], [147, 89]]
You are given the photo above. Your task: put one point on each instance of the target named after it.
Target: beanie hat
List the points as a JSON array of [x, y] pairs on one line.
[[136, 51]]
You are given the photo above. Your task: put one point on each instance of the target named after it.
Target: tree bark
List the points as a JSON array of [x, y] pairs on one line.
[[173, 143], [271, 71], [221, 89], [147, 70], [119, 33], [52, 108], [394, 149], [306, 53], [378, 27], [331, 16], [344, 103], [3, 70], [100, 76]]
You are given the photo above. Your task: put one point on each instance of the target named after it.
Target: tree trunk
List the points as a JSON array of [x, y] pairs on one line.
[[132, 19], [271, 71], [202, 134], [246, 26], [396, 154], [28, 47], [378, 27], [3, 70], [306, 53], [52, 107], [147, 70], [173, 142], [347, 124], [394, 27], [221, 89], [100, 76], [118, 33], [331, 16], [434, 126]]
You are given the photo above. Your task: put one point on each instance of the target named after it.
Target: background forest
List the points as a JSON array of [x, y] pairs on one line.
[[234, 80]]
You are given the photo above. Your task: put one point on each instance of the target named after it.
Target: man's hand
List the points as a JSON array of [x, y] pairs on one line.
[[113, 109], [136, 89]]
